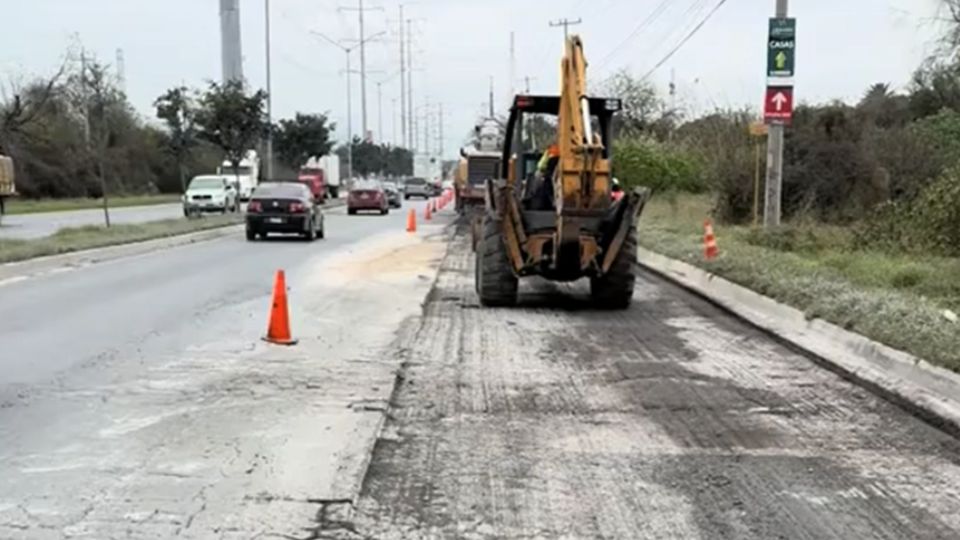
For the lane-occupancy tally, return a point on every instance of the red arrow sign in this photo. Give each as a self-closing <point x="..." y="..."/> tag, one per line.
<point x="778" y="105"/>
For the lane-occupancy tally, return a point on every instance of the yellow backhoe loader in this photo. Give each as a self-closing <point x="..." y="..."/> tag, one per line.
<point x="551" y="213"/>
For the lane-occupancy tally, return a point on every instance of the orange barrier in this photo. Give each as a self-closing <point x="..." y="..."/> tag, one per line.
<point x="427" y="213"/>
<point x="710" y="249"/>
<point x="278" y="331"/>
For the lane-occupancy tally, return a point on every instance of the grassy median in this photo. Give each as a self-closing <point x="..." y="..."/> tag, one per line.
<point x="17" y="205"/>
<point x="94" y="236"/>
<point x="899" y="300"/>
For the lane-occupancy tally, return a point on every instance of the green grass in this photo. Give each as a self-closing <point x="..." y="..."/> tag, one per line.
<point x="94" y="236"/>
<point x="898" y="300"/>
<point x="34" y="206"/>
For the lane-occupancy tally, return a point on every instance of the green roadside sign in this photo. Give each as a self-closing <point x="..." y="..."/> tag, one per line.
<point x="782" y="48"/>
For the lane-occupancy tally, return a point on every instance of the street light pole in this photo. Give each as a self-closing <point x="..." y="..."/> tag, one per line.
<point x="349" y="119"/>
<point x="269" y="170"/>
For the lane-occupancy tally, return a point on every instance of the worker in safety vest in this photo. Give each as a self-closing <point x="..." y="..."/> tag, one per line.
<point x="548" y="161"/>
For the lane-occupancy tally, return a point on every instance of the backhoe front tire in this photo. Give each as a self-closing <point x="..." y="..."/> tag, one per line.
<point x="496" y="283"/>
<point x="614" y="290"/>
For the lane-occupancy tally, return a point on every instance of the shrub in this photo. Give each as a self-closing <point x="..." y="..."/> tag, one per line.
<point x="643" y="161"/>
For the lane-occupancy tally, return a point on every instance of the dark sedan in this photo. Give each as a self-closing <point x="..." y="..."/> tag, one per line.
<point x="283" y="207"/>
<point x="367" y="195"/>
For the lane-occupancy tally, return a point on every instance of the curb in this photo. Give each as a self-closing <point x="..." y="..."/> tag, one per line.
<point x="929" y="391"/>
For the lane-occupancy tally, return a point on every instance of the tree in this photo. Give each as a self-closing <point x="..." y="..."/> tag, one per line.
<point x="305" y="136"/>
<point x="643" y="110"/>
<point x="93" y="92"/>
<point x="231" y="119"/>
<point x="176" y="108"/>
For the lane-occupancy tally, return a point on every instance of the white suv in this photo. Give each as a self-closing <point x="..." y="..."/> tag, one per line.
<point x="211" y="193"/>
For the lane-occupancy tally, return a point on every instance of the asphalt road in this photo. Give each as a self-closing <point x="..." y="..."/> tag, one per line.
<point x="670" y="420"/>
<point x="27" y="226"/>
<point x="137" y="400"/>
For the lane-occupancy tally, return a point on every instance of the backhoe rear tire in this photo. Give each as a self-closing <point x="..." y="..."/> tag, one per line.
<point x="496" y="283"/>
<point x="614" y="290"/>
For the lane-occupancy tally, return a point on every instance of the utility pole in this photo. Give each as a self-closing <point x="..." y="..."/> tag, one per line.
<point x="269" y="171"/>
<point x="774" y="185"/>
<point x="121" y="72"/>
<point x="363" y="63"/>
<point x="513" y="65"/>
<point x="566" y="24"/>
<point x="491" y="97"/>
<point x="403" y="85"/>
<point x="349" y="72"/>
<point x="380" y="112"/>
<point x="410" y="115"/>
<point x="440" y="128"/>
<point x="393" y="121"/>
<point x="526" y="83"/>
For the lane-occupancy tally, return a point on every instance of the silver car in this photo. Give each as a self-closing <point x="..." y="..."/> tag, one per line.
<point x="417" y="187"/>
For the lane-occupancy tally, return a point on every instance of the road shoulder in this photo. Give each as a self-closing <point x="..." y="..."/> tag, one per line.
<point x="927" y="390"/>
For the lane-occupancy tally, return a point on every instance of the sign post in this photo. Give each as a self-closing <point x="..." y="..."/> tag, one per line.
<point x="778" y="104"/>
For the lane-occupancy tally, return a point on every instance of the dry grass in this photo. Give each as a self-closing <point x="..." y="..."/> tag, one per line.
<point x="897" y="300"/>
<point x="94" y="236"/>
<point x="36" y="206"/>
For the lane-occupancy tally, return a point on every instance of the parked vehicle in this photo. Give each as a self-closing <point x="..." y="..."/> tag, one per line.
<point x="367" y="195"/>
<point x="8" y="187"/>
<point x="315" y="180"/>
<point x="247" y="173"/>
<point x="393" y="194"/>
<point x="417" y="187"/>
<point x="284" y="207"/>
<point x="211" y="193"/>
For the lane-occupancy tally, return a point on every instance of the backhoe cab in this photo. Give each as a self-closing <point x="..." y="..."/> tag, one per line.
<point x="554" y="216"/>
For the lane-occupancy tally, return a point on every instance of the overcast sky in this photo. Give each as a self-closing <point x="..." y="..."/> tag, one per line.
<point x="843" y="46"/>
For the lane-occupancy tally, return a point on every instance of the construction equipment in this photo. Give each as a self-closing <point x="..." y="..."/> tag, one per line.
<point x="559" y="221"/>
<point x="8" y="187"/>
<point x="477" y="165"/>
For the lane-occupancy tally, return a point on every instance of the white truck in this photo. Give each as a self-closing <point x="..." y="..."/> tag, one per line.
<point x="247" y="173"/>
<point x="331" y="171"/>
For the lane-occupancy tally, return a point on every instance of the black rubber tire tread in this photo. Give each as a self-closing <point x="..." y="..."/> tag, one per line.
<point x="311" y="233"/>
<point x="496" y="283"/>
<point x="614" y="290"/>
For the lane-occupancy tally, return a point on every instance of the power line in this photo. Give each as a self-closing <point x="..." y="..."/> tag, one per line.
<point x="686" y="39"/>
<point x="654" y="15"/>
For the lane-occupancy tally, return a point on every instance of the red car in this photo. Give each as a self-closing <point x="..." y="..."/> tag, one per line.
<point x="367" y="195"/>
<point x="314" y="179"/>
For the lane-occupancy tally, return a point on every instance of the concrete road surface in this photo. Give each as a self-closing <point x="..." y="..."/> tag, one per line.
<point x="26" y="226"/>
<point x="670" y="420"/>
<point x="138" y="401"/>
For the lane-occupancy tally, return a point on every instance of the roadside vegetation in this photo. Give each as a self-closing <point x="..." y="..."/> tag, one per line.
<point x="902" y="300"/>
<point x="73" y="239"/>
<point x="74" y="134"/>
<point x="871" y="202"/>
<point x="36" y="206"/>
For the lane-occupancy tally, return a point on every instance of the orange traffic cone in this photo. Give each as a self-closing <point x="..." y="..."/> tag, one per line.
<point x="427" y="213"/>
<point x="710" y="249"/>
<point x="412" y="221"/>
<point x="278" y="331"/>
